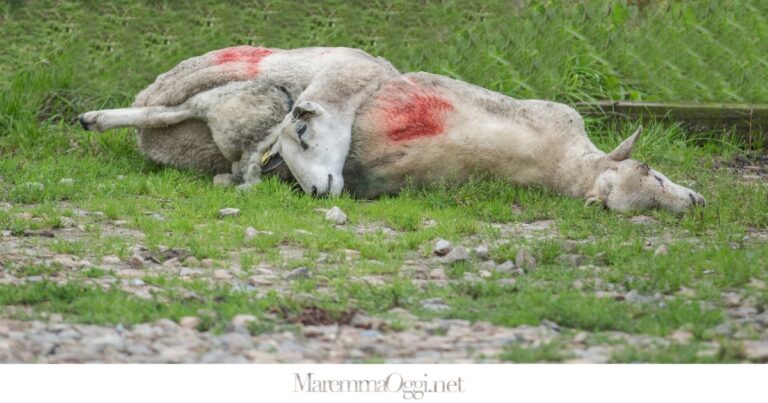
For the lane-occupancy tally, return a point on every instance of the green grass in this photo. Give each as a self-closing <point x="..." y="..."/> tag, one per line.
<point x="62" y="58"/>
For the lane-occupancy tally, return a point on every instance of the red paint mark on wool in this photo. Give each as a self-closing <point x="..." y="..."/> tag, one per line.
<point x="411" y="111"/>
<point x="249" y="56"/>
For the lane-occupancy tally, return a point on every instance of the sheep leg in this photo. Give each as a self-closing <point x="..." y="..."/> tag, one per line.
<point x="141" y="117"/>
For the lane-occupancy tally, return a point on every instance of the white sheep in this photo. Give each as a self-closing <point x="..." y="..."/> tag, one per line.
<point x="415" y="128"/>
<point x="211" y="112"/>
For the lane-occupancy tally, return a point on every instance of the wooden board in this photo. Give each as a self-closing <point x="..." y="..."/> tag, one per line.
<point x="749" y="121"/>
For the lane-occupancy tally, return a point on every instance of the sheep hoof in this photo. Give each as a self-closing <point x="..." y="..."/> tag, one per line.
<point x="83" y="122"/>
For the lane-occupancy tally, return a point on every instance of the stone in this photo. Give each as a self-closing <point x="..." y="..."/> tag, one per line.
<point x="5" y="206"/>
<point x="240" y="323"/>
<point x="251" y="233"/>
<point x="437" y="274"/>
<point x="505" y="268"/>
<point x="130" y="273"/>
<point x="336" y="216"/>
<point x="570" y="259"/>
<point x="67" y="181"/>
<point x="731" y="299"/>
<point x="259" y="281"/>
<point x="507" y="282"/>
<point x="187" y="272"/>
<point x="229" y="212"/>
<point x="442" y="247"/>
<point x="482" y="252"/>
<point x="110" y="259"/>
<point x="681" y="336"/>
<point x="301" y="272"/>
<point x="191" y="262"/>
<point x="485" y="273"/>
<point x="207" y="263"/>
<point x="136" y="261"/>
<point x="172" y="262"/>
<point x="222" y="274"/>
<point x="457" y="254"/>
<point x="756" y="350"/>
<point x="435" y="305"/>
<point x="662" y="250"/>
<point x="137" y="282"/>
<point x="190" y="322"/>
<point x="524" y="260"/>
<point x="66" y="261"/>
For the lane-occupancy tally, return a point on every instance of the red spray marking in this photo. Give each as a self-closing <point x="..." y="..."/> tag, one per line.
<point x="411" y="111"/>
<point x="249" y="56"/>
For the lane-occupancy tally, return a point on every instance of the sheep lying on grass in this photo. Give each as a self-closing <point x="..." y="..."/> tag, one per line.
<point x="391" y="128"/>
<point x="211" y="112"/>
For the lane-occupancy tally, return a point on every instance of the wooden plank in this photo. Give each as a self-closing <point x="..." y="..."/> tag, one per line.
<point x="749" y="121"/>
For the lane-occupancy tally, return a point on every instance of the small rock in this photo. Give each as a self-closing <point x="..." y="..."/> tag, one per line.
<point x="681" y="336"/>
<point x="336" y="216"/>
<point x="67" y="181"/>
<point x="482" y="252"/>
<point x="251" y="233"/>
<point x="442" y="247"/>
<point x="756" y="350"/>
<point x="489" y="265"/>
<point x="157" y="216"/>
<point x="457" y="254"/>
<point x="172" y="262"/>
<point x="222" y="274"/>
<point x="437" y="274"/>
<point x="435" y="305"/>
<point x="187" y="272"/>
<point x="65" y="261"/>
<point x="524" y="260"/>
<point x="137" y="282"/>
<point x="191" y="262"/>
<point x="662" y="250"/>
<point x="136" y="261"/>
<point x="239" y="323"/>
<point x="229" y="212"/>
<point x="190" y="322"/>
<point x="571" y="259"/>
<point x="509" y="282"/>
<point x="223" y="180"/>
<point x="301" y="272"/>
<point x="130" y="273"/>
<point x="731" y="299"/>
<point x="5" y="206"/>
<point x="484" y="273"/>
<point x="258" y="281"/>
<point x="207" y="263"/>
<point x="506" y="267"/>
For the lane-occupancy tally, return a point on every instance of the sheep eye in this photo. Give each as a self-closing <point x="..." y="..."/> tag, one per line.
<point x="301" y="129"/>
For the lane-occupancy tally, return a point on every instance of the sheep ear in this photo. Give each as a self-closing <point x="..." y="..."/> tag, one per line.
<point x="624" y="150"/>
<point x="273" y="163"/>
<point x="271" y="159"/>
<point x="305" y="110"/>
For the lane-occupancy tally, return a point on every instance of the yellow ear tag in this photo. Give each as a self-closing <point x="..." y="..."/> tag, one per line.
<point x="265" y="158"/>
